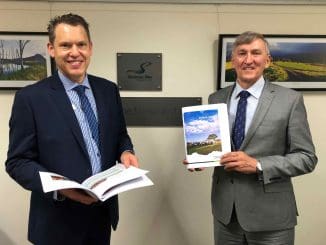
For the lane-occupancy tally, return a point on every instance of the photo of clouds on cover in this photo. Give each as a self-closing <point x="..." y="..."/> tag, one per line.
<point x="200" y="124"/>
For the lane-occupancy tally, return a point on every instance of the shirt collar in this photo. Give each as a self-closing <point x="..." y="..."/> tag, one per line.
<point x="69" y="85"/>
<point x="255" y="90"/>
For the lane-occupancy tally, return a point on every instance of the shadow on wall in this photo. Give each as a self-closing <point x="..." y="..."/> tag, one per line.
<point x="4" y="239"/>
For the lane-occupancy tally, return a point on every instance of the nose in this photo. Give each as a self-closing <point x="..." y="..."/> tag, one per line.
<point x="249" y="58"/>
<point x="74" y="51"/>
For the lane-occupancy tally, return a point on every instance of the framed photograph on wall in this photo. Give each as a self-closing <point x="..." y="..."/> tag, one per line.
<point x="23" y="58"/>
<point x="298" y="61"/>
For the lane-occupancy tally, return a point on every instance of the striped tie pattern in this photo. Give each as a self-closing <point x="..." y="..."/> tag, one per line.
<point x="240" y="120"/>
<point x="88" y="112"/>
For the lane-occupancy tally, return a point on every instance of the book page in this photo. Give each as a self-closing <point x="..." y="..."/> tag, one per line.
<point x="139" y="182"/>
<point x="96" y="179"/>
<point x="107" y="183"/>
<point x="102" y="185"/>
<point x="206" y="134"/>
<point x="53" y="182"/>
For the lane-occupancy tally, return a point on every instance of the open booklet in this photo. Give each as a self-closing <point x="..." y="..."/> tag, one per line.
<point x="206" y="134"/>
<point x="101" y="186"/>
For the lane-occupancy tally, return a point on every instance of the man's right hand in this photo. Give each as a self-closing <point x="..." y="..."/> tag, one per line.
<point x="78" y="196"/>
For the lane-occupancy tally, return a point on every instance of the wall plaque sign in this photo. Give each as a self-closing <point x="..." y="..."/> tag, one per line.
<point x="150" y="111"/>
<point x="139" y="71"/>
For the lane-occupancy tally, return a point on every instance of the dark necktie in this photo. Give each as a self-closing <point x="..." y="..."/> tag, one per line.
<point x="238" y="132"/>
<point x="88" y="112"/>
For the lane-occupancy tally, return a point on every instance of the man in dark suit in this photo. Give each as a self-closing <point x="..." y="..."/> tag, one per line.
<point x="252" y="195"/>
<point x="51" y="131"/>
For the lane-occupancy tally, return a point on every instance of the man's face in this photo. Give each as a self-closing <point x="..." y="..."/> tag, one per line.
<point x="71" y="50"/>
<point x="250" y="61"/>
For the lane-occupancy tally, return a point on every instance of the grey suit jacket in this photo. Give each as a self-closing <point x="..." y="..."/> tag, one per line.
<point x="279" y="137"/>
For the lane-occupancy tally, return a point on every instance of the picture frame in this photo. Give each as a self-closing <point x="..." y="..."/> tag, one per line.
<point x="298" y="61"/>
<point x="23" y="59"/>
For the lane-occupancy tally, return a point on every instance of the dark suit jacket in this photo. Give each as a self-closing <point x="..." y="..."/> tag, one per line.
<point x="45" y="136"/>
<point x="279" y="137"/>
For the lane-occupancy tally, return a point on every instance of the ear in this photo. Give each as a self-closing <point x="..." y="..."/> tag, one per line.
<point x="91" y="47"/>
<point x="50" y="49"/>
<point x="268" y="61"/>
<point x="232" y="60"/>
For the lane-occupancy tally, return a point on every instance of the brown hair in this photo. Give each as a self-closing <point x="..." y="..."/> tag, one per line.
<point x="70" y="19"/>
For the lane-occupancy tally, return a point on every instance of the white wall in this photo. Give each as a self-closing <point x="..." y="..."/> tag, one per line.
<point x="176" y="211"/>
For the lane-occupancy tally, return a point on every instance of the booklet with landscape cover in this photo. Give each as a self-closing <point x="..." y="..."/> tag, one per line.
<point x="101" y="186"/>
<point x="206" y="134"/>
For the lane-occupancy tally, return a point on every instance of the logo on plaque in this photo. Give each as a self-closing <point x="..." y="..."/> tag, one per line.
<point x="139" y="71"/>
<point x="142" y="73"/>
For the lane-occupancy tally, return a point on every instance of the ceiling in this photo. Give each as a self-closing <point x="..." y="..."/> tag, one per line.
<point x="291" y="2"/>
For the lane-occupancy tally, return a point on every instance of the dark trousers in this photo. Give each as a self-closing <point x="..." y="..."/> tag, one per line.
<point x="91" y="238"/>
<point x="91" y="227"/>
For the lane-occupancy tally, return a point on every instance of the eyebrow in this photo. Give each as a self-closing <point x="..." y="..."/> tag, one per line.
<point x="251" y="50"/>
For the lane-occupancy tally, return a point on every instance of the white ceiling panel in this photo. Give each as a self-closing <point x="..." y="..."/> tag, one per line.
<point x="293" y="2"/>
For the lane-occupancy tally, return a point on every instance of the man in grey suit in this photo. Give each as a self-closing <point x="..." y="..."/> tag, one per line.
<point x="252" y="195"/>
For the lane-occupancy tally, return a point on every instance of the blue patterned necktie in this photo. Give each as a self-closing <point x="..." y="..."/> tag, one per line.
<point x="88" y="112"/>
<point x="240" y="120"/>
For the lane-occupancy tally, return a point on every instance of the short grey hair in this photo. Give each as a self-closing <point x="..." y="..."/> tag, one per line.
<point x="247" y="38"/>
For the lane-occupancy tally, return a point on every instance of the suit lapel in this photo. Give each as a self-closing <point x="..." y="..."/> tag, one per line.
<point x="225" y="97"/>
<point x="227" y="101"/>
<point x="264" y="103"/>
<point x="62" y="101"/>
<point x="103" y="111"/>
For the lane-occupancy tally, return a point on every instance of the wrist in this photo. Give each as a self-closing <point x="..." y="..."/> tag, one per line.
<point x="131" y="151"/>
<point x="58" y="196"/>
<point x="259" y="171"/>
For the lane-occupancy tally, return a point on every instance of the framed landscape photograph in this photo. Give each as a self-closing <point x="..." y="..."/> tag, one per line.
<point x="298" y="61"/>
<point x="23" y="58"/>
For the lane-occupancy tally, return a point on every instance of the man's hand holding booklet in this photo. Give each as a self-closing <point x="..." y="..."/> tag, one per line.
<point x="101" y="186"/>
<point x="206" y="134"/>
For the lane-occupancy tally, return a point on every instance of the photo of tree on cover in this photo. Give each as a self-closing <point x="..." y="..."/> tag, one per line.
<point x="291" y="62"/>
<point x="202" y="129"/>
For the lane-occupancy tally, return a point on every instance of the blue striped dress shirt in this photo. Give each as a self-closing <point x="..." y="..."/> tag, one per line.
<point x="91" y="146"/>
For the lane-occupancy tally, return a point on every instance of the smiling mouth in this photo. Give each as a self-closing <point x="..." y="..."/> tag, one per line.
<point x="75" y="63"/>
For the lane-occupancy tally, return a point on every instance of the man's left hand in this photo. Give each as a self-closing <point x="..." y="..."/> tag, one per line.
<point x="129" y="159"/>
<point x="240" y="162"/>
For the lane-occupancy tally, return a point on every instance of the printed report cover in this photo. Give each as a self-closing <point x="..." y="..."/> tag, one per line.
<point x="206" y="134"/>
